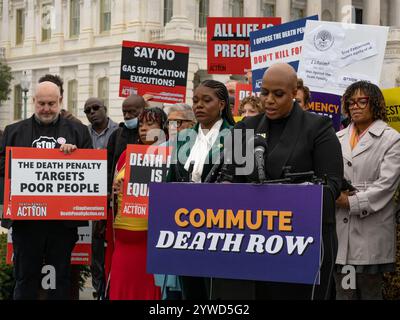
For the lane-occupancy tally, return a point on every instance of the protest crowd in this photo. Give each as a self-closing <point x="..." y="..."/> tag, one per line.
<point x="274" y="123"/>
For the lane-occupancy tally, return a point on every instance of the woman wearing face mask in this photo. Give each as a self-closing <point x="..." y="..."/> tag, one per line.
<point x="128" y="277"/>
<point x="365" y="215"/>
<point x="214" y="117"/>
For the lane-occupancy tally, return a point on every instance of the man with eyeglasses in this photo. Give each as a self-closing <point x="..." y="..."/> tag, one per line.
<point x="100" y="128"/>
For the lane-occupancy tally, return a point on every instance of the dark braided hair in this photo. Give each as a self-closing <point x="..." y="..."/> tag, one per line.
<point x="155" y="115"/>
<point x="222" y="93"/>
<point x="376" y="100"/>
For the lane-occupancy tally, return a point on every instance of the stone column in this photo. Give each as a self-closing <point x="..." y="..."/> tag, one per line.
<point x="344" y="11"/>
<point x="30" y="26"/>
<point x="86" y="24"/>
<point x="217" y="8"/>
<point x="85" y="86"/>
<point x="118" y="16"/>
<point x="395" y="13"/>
<point x="372" y="12"/>
<point x="179" y="26"/>
<point x="252" y="8"/>
<point x="57" y="37"/>
<point x="5" y="42"/>
<point x="314" y="7"/>
<point x="283" y="10"/>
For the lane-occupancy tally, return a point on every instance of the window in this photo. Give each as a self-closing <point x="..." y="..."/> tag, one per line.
<point x="204" y="9"/>
<point x="20" y="26"/>
<point x="268" y="9"/>
<point x="168" y="11"/>
<point x="47" y="10"/>
<point x="105" y="15"/>
<point x="296" y="13"/>
<point x="103" y="90"/>
<point x="17" y="102"/>
<point x="359" y="16"/>
<point x="74" y="18"/>
<point x="237" y="8"/>
<point x="73" y="97"/>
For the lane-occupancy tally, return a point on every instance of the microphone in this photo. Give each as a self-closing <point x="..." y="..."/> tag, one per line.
<point x="260" y="147"/>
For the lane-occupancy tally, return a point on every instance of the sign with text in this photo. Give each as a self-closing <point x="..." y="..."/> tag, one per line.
<point x="243" y="90"/>
<point x="228" y="47"/>
<point x="144" y="164"/>
<point x="328" y="105"/>
<point x="236" y="231"/>
<point x="335" y="55"/>
<point x="280" y="44"/>
<point x="154" y="69"/>
<point x="46" y="184"/>
<point x="81" y="254"/>
<point x="392" y="99"/>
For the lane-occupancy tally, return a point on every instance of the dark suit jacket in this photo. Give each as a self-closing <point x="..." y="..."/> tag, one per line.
<point x="20" y="134"/>
<point x="185" y="142"/>
<point x="308" y="143"/>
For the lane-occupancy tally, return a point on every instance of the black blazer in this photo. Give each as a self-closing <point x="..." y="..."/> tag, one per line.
<point x="308" y="143"/>
<point x="20" y="134"/>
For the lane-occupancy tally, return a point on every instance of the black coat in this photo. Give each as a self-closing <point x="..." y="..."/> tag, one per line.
<point x="308" y="143"/>
<point x="117" y="143"/>
<point x="20" y="134"/>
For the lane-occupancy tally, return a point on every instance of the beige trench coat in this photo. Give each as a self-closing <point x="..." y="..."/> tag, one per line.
<point x="367" y="232"/>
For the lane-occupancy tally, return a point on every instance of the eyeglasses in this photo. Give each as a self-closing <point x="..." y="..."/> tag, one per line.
<point x="361" y="102"/>
<point x="177" y="123"/>
<point x="89" y="109"/>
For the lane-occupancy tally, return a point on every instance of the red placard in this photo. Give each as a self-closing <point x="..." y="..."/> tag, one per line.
<point x="228" y="42"/>
<point x="46" y="184"/>
<point x="144" y="164"/>
<point x="243" y="90"/>
<point x="154" y="69"/>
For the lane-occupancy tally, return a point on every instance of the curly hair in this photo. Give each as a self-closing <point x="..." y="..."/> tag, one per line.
<point x="222" y="93"/>
<point x="155" y="115"/>
<point x="56" y="79"/>
<point x="254" y="101"/>
<point x="376" y="100"/>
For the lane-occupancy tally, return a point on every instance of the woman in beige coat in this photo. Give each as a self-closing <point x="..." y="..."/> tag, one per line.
<point x="365" y="217"/>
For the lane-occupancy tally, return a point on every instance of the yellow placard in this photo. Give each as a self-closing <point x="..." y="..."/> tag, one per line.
<point x="392" y="98"/>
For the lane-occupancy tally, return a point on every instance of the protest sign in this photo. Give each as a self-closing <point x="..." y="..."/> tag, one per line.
<point x="328" y="105"/>
<point x="242" y="91"/>
<point x="81" y="254"/>
<point x="46" y="184"/>
<point x="144" y="164"/>
<point x="154" y="69"/>
<point x="236" y="231"/>
<point x="279" y="44"/>
<point x="335" y="55"/>
<point x="392" y="98"/>
<point x="228" y="49"/>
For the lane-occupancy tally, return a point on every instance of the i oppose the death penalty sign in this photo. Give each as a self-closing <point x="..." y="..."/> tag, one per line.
<point x="43" y="184"/>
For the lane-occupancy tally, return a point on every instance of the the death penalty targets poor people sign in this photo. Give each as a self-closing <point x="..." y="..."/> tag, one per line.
<point x="46" y="184"/>
<point x="154" y="69"/>
<point x="144" y="164"/>
<point x="228" y="42"/>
